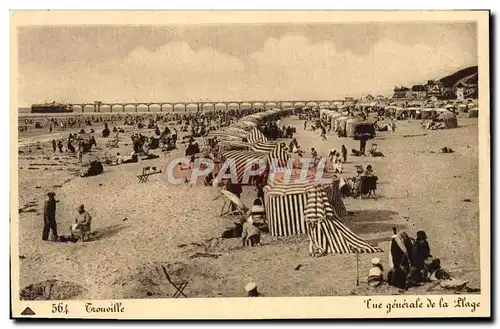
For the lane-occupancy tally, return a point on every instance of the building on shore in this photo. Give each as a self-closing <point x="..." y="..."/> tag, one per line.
<point x="418" y="92"/>
<point x="401" y="92"/>
<point x="368" y="98"/>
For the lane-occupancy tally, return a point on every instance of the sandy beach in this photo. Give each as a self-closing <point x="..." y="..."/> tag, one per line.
<point x="138" y="225"/>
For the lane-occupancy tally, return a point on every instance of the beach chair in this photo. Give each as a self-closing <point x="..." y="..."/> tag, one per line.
<point x="146" y="172"/>
<point x="179" y="286"/>
<point x="113" y="143"/>
<point x="232" y="207"/>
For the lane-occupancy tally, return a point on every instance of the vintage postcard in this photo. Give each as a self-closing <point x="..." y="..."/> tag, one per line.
<point x="175" y="164"/>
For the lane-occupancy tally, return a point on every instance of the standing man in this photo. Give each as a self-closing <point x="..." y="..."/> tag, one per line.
<point x="49" y="218"/>
<point x="362" y="144"/>
<point x="323" y="133"/>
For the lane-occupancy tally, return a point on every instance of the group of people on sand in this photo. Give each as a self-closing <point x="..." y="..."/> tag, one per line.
<point x="410" y="263"/>
<point x="364" y="183"/>
<point x="70" y="146"/>
<point x="79" y="230"/>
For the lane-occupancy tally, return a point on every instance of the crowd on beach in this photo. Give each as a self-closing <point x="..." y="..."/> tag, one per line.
<point x="411" y="263"/>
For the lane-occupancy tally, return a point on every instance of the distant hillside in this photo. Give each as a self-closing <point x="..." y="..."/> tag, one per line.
<point x="466" y="76"/>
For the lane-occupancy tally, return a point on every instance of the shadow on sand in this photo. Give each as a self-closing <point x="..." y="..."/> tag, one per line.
<point x="373" y="221"/>
<point x="106" y="232"/>
<point x="361" y="216"/>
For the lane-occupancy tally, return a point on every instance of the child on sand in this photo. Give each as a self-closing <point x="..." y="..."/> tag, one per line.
<point x="375" y="276"/>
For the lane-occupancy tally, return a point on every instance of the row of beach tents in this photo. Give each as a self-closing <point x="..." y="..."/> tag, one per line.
<point x="295" y="205"/>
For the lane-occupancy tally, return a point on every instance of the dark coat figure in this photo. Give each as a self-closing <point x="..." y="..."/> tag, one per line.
<point x="234" y="188"/>
<point x="70" y="147"/>
<point x="60" y="146"/>
<point x="362" y="144"/>
<point x="54" y="145"/>
<point x="105" y="131"/>
<point x="344" y="153"/>
<point x="420" y="251"/>
<point x="49" y="218"/>
<point x="95" y="169"/>
<point x="401" y="246"/>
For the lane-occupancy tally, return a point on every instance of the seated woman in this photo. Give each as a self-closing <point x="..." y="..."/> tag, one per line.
<point x="400" y="259"/>
<point x="132" y="158"/>
<point x="81" y="227"/>
<point x="375" y="275"/>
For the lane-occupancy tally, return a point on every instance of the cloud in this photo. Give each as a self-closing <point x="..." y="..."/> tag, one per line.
<point x="287" y="68"/>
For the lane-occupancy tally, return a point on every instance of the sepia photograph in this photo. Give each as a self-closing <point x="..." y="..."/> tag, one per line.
<point x="206" y="157"/>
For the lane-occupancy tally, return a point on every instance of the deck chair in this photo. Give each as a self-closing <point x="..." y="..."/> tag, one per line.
<point x="143" y="178"/>
<point x="232" y="206"/>
<point x="179" y="286"/>
<point x="113" y="143"/>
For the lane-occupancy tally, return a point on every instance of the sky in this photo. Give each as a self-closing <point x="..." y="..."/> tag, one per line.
<point x="236" y="62"/>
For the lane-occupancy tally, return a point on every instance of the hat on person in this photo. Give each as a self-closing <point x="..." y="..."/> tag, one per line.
<point x="421" y="235"/>
<point x="80" y="207"/>
<point x="51" y="194"/>
<point x="375" y="261"/>
<point x="250" y="286"/>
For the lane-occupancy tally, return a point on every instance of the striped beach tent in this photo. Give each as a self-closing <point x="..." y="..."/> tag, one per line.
<point x="285" y="200"/>
<point x="223" y="135"/>
<point x="237" y="131"/>
<point x="243" y="161"/>
<point x="230" y="144"/>
<point x="274" y="150"/>
<point x="246" y="125"/>
<point x="255" y="135"/>
<point x="326" y="233"/>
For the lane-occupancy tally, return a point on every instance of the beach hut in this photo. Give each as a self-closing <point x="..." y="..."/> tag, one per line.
<point x="332" y="115"/>
<point x="427" y="113"/>
<point x="350" y="126"/>
<point x="285" y="201"/>
<point x="323" y="113"/>
<point x="325" y="231"/>
<point x="340" y="122"/>
<point x="462" y="108"/>
<point x="390" y="111"/>
<point x="449" y="119"/>
<point x="402" y="113"/>
<point x="414" y="112"/>
<point x="364" y="128"/>
<point x="473" y="113"/>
